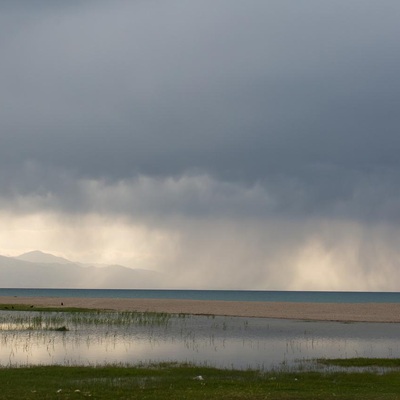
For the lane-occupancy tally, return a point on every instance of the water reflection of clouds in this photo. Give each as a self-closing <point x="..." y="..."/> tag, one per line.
<point x="222" y="342"/>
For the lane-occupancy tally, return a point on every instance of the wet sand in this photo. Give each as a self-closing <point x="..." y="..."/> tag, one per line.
<point x="345" y="312"/>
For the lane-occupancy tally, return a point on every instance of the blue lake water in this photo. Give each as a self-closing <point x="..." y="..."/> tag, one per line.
<point x="227" y="295"/>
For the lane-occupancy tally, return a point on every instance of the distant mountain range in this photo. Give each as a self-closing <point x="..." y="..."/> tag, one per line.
<point x="44" y="258"/>
<point x="41" y="270"/>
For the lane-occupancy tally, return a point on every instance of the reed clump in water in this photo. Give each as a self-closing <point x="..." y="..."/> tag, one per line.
<point x="50" y="320"/>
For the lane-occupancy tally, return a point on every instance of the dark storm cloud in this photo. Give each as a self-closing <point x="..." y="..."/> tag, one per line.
<point x="297" y="102"/>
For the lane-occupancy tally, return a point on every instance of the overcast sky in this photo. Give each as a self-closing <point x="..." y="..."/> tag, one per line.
<point x="229" y="144"/>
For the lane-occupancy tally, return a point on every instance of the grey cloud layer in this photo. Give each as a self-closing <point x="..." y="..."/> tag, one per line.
<point x="373" y="199"/>
<point x="294" y="103"/>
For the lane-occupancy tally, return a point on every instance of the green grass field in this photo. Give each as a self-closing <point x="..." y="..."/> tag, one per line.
<point x="169" y="381"/>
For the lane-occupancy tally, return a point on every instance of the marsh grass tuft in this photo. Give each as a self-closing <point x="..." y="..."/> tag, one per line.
<point x="61" y="329"/>
<point x="361" y="362"/>
<point x="27" y="307"/>
<point x="49" y="319"/>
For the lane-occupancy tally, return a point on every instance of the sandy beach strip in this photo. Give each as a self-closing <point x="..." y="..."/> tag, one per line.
<point x="345" y="312"/>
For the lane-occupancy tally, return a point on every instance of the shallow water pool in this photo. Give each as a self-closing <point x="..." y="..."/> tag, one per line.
<point x="29" y="338"/>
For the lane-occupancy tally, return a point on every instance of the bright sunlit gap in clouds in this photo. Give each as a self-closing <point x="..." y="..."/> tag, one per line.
<point x="86" y="239"/>
<point x="218" y="254"/>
